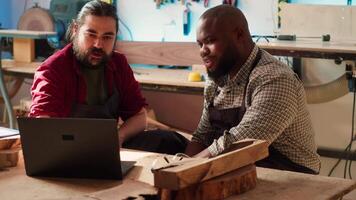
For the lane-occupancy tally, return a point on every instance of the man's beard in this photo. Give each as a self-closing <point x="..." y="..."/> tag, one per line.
<point x="83" y="56"/>
<point x="225" y="64"/>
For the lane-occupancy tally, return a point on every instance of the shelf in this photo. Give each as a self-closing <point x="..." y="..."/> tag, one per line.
<point x="26" y="34"/>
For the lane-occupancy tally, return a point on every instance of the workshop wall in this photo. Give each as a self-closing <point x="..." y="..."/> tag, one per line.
<point x="147" y="23"/>
<point x="4" y="14"/>
<point x="324" y="2"/>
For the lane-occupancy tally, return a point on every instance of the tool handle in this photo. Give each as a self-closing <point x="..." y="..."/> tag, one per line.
<point x="287" y="37"/>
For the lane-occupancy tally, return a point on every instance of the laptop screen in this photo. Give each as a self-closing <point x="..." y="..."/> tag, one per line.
<point x="71" y="147"/>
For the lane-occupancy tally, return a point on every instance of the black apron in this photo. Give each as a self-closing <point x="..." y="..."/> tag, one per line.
<point x="108" y="110"/>
<point x="169" y="142"/>
<point x="222" y="120"/>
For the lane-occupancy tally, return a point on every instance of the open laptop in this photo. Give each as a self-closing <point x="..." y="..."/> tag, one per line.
<point x="72" y="148"/>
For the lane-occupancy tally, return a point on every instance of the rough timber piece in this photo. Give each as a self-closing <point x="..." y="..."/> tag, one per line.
<point x="24" y="49"/>
<point x="181" y="176"/>
<point x="221" y="187"/>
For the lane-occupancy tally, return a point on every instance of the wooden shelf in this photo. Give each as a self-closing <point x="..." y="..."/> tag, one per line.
<point x="24" y="44"/>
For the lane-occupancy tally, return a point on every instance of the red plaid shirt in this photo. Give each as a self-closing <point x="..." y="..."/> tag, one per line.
<point x="58" y="84"/>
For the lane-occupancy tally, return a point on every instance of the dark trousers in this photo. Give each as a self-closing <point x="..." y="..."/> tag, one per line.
<point x="276" y="160"/>
<point x="159" y="141"/>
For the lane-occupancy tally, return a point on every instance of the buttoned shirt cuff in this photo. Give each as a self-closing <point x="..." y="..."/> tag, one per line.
<point x="214" y="149"/>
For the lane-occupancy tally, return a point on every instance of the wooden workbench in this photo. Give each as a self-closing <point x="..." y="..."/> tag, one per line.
<point x="187" y="53"/>
<point x="272" y="184"/>
<point x="307" y="48"/>
<point x="167" y="80"/>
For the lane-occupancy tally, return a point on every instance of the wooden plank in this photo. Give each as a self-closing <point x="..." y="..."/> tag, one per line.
<point x="9" y="157"/>
<point x="160" y="53"/>
<point x="24" y="49"/>
<point x="144" y="76"/>
<point x="311" y="46"/>
<point x="19" y="69"/>
<point x="181" y="176"/>
<point x="6" y="143"/>
<point x="187" y="53"/>
<point x="170" y="77"/>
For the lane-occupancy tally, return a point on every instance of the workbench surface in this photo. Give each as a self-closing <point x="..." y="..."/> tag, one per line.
<point x="271" y="184"/>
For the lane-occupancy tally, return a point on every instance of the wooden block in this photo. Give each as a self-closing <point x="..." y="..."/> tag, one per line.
<point x="7" y="143"/>
<point x="24" y="49"/>
<point x="189" y="173"/>
<point x="233" y="183"/>
<point x="9" y="151"/>
<point x="9" y="158"/>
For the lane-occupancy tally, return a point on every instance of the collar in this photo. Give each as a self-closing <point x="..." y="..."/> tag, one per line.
<point x="244" y="71"/>
<point x="109" y="71"/>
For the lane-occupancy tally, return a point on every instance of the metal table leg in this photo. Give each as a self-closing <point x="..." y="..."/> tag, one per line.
<point x="4" y="93"/>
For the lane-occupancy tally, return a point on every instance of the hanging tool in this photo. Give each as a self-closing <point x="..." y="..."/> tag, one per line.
<point x="230" y="2"/>
<point x="158" y="3"/>
<point x="206" y="3"/>
<point x="324" y="38"/>
<point x="186" y="19"/>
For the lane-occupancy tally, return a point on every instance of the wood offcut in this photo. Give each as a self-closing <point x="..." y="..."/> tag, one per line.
<point x="196" y="171"/>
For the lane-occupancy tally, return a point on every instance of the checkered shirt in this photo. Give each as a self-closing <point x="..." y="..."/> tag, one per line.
<point x="276" y="110"/>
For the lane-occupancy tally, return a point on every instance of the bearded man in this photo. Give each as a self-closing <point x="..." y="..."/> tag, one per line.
<point x="88" y="79"/>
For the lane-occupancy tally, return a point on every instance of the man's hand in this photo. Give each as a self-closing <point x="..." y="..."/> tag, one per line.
<point x="132" y="126"/>
<point x="203" y="154"/>
<point x="194" y="148"/>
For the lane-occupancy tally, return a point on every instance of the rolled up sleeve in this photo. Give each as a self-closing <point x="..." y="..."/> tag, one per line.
<point x="273" y="108"/>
